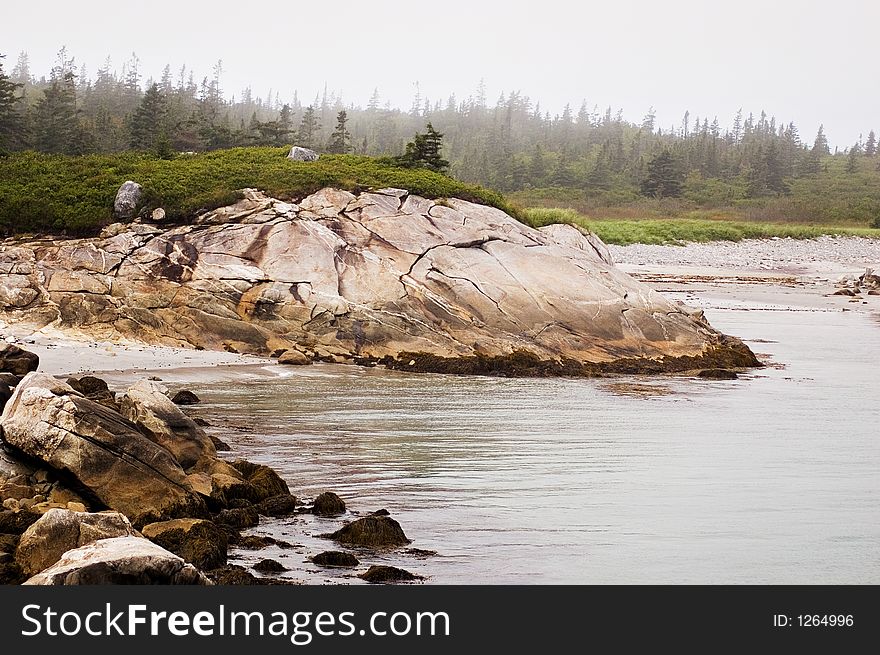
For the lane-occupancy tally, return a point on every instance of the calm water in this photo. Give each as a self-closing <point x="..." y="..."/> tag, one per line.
<point x="773" y="478"/>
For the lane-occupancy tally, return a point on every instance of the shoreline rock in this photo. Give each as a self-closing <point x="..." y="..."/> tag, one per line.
<point x="368" y="278"/>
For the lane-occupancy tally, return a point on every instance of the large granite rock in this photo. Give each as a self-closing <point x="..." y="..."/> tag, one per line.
<point x="298" y="153"/>
<point x="128" y="472"/>
<point x="384" y="276"/>
<point x="145" y="405"/>
<point x="61" y="530"/>
<point x="120" y="560"/>
<point x="127" y="198"/>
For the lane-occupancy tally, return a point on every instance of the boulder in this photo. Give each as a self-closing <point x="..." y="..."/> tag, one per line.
<point x="158" y="215"/>
<point x="717" y="374"/>
<point x="17" y="361"/>
<point x="298" y="153"/>
<point x="9" y="379"/>
<point x="232" y="574"/>
<point x="372" y="532"/>
<point x="266" y="482"/>
<point x="293" y="358"/>
<point x="382" y="574"/>
<point x="16" y="521"/>
<point x="120" y="560"/>
<point x="280" y="505"/>
<point x="335" y="558"/>
<point x="162" y="421"/>
<point x="199" y="542"/>
<point x="60" y="530"/>
<point x="328" y="504"/>
<point x="238" y="518"/>
<point x="127" y="198"/>
<point x="105" y="452"/>
<point x="185" y="397"/>
<point x="270" y="566"/>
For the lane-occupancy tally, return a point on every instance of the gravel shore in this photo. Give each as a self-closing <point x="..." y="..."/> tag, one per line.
<point x="826" y="254"/>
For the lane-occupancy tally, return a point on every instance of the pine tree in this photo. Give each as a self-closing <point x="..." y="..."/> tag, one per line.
<point x="55" y="117"/>
<point x="11" y="123"/>
<point x="147" y="123"/>
<point x="820" y="145"/>
<point x="871" y="144"/>
<point x="340" y="140"/>
<point x="307" y="135"/>
<point x="852" y="159"/>
<point x="663" y="178"/>
<point x="424" y="152"/>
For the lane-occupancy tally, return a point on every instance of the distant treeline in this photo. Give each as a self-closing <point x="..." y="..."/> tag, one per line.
<point x="511" y="145"/>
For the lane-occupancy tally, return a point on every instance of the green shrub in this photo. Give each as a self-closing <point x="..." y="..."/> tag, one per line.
<point x="74" y="195"/>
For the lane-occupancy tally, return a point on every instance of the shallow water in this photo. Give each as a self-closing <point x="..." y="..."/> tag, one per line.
<point x="772" y="478"/>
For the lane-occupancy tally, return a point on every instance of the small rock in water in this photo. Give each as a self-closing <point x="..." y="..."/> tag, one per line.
<point x="328" y="504"/>
<point x="269" y="566"/>
<point x="372" y="531"/>
<point x="382" y="573"/>
<point x="717" y="374"/>
<point x="335" y="558"/>
<point x="185" y="397"/>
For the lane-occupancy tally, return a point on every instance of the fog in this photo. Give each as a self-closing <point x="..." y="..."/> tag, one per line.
<point x="802" y="61"/>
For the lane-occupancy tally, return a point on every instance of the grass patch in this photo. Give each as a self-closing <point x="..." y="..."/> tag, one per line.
<point x="73" y="196"/>
<point x="682" y="230"/>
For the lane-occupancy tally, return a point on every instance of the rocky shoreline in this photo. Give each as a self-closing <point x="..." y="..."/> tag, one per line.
<point x="100" y="487"/>
<point x="378" y="277"/>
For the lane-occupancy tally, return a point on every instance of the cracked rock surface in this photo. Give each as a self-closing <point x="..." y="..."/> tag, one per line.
<point x="340" y="276"/>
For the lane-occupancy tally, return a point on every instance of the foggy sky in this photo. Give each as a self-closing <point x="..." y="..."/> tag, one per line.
<point x="801" y="60"/>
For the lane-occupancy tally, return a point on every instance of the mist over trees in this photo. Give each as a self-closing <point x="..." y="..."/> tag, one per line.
<point x="511" y="144"/>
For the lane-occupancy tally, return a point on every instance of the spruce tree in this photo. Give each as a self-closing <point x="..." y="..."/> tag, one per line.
<point x="820" y="145"/>
<point x="11" y="123"/>
<point x="307" y="135"/>
<point x="424" y="152"/>
<point x="871" y="144"/>
<point x="340" y="140"/>
<point x="147" y="124"/>
<point x="663" y="178"/>
<point x="55" y="117"/>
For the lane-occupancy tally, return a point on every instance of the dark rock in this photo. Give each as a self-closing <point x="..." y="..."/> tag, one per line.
<point x="280" y="505"/>
<point x="240" y="517"/>
<point x="88" y="385"/>
<point x="269" y="566"/>
<point x="219" y="445"/>
<point x="11" y="573"/>
<point x="254" y="542"/>
<point x="335" y="558"/>
<point x="381" y="512"/>
<point x="8" y="543"/>
<point x="185" y="397"/>
<point x="372" y="531"/>
<point x="203" y="424"/>
<point x="328" y="504"/>
<point x="381" y="573"/>
<point x="717" y="374"/>
<point x="239" y="503"/>
<point x="16" y="522"/>
<point x="420" y="552"/>
<point x="17" y="361"/>
<point x="9" y="379"/>
<point x="199" y="542"/>
<point x="232" y="575"/>
<point x="266" y="481"/>
<point x="846" y="292"/>
<point x="5" y="395"/>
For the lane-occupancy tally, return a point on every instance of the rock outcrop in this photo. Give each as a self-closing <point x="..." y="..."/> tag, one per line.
<point x="120" y="560"/>
<point x="51" y="422"/>
<point x="384" y="277"/>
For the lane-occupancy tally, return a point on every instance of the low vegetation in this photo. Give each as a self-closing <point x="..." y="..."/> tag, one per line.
<point x="681" y="230"/>
<point x="73" y="195"/>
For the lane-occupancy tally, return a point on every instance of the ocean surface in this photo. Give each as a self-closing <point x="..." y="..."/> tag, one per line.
<point x="772" y="478"/>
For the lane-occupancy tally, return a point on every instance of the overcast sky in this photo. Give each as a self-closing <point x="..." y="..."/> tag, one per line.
<point x="801" y="60"/>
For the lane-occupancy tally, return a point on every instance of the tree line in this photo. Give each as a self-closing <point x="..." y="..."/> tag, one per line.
<point x="509" y="145"/>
